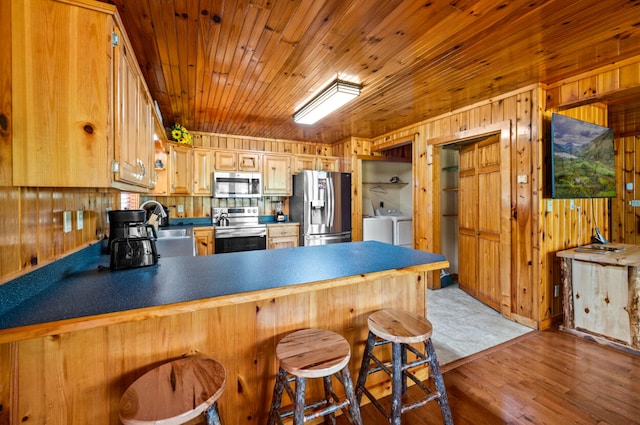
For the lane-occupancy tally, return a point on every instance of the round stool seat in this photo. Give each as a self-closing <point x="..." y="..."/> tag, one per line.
<point x="174" y="392"/>
<point x="400" y="327"/>
<point x="313" y="353"/>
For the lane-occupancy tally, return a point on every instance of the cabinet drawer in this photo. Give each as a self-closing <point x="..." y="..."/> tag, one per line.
<point x="280" y="230"/>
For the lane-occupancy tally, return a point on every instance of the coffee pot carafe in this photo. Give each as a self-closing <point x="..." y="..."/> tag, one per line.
<point x="131" y="240"/>
<point x="129" y="223"/>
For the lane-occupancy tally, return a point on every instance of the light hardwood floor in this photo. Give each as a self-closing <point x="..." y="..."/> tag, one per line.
<point x="546" y="377"/>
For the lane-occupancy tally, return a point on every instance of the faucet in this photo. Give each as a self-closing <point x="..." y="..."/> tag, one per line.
<point x="159" y="209"/>
<point x="158" y="212"/>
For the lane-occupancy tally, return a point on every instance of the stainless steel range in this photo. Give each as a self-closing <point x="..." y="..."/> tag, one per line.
<point x="238" y="229"/>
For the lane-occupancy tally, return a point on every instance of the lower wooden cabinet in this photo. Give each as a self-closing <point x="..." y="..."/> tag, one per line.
<point x="282" y="235"/>
<point x="203" y="238"/>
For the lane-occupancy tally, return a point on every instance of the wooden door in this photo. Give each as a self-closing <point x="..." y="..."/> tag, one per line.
<point x="479" y="200"/>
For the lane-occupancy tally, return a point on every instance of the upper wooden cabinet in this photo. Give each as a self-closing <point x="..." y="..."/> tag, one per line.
<point x="72" y="72"/>
<point x="202" y="169"/>
<point x="236" y="161"/>
<point x="310" y="162"/>
<point x="276" y="175"/>
<point x="133" y="159"/>
<point x="180" y="170"/>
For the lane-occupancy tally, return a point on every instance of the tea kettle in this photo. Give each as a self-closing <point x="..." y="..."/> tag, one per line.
<point x="223" y="220"/>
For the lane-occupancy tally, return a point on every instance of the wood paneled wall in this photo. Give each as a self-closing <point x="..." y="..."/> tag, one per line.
<point x="537" y="234"/>
<point x="563" y="226"/>
<point x="31" y="225"/>
<point x="625" y="217"/>
<point x="522" y="109"/>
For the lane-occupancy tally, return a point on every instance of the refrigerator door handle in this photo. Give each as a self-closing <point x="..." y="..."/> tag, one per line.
<point x="345" y="237"/>
<point x="330" y="200"/>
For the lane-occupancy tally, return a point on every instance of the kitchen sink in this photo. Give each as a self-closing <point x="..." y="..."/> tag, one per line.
<point x="172" y="233"/>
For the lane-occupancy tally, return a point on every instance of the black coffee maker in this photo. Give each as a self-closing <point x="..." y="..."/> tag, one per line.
<point x="131" y="240"/>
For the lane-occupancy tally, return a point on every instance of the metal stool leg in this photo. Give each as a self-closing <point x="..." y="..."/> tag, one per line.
<point x="443" y="400"/>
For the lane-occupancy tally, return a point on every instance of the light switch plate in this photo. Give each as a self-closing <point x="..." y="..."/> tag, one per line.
<point x="67" y="221"/>
<point x="549" y="205"/>
<point x="79" y="220"/>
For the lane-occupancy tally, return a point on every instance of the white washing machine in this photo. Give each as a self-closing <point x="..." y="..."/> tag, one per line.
<point x="377" y="229"/>
<point x="402" y="226"/>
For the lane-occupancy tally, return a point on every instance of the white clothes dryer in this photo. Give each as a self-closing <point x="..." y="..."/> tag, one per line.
<point x="402" y="226"/>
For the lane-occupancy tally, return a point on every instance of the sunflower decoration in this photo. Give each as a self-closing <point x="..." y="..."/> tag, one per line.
<point x="180" y="134"/>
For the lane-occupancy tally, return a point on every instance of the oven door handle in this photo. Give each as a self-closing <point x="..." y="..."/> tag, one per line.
<point x="240" y="233"/>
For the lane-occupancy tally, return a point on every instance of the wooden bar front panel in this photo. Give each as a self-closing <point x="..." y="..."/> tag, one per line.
<point x="79" y="377"/>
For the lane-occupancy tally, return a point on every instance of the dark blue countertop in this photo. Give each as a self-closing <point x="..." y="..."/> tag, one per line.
<point x="88" y="288"/>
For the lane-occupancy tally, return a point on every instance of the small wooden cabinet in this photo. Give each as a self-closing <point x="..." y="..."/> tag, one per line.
<point x="310" y="162"/>
<point x="282" y="235"/>
<point x="236" y="161"/>
<point x="203" y="238"/>
<point x="276" y="176"/>
<point x="601" y="293"/>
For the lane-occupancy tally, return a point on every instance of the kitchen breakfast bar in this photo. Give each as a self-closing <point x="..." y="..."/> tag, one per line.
<point x="70" y="347"/>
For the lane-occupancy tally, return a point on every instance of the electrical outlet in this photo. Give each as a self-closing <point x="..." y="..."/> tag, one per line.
<point x="180" y="208"/>
<point x="79" y="220"/>
<point x="67" y="221"/>
<point x="549" y="205"/>
<point x="572" y="204"/>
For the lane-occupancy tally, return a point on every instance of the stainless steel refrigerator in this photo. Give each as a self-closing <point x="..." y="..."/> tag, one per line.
<point x="321" y="203"/>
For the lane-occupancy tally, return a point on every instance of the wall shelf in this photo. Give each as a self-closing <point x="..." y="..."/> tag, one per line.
<point x="386" y="183"/>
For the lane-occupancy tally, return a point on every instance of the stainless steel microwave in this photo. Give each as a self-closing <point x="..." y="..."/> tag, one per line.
<point x="236" y="185"/>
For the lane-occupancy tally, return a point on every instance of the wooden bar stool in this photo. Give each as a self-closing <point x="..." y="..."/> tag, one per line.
<point x="313" y="353"/>
<point x="174" y="393"/>
<point x="401" y="328"/>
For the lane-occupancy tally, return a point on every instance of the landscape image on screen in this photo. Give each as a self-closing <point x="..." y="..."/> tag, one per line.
<point x="583" y="159"/>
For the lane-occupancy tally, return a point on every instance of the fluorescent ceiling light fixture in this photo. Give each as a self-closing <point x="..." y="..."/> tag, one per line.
<point x="331" y="98"/>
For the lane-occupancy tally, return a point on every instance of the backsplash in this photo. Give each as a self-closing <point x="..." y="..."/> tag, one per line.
<point x="32" y="225"/>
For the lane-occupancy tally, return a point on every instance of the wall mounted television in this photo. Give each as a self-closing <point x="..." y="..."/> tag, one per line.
<point x="582" y="159"/>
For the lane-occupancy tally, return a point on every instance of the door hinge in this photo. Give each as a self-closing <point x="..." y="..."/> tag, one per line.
<point x="115" y="39"/>
<point x="115" y="167"/>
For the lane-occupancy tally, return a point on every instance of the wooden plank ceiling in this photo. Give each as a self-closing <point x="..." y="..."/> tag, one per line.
<point x="243" y="66"/>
